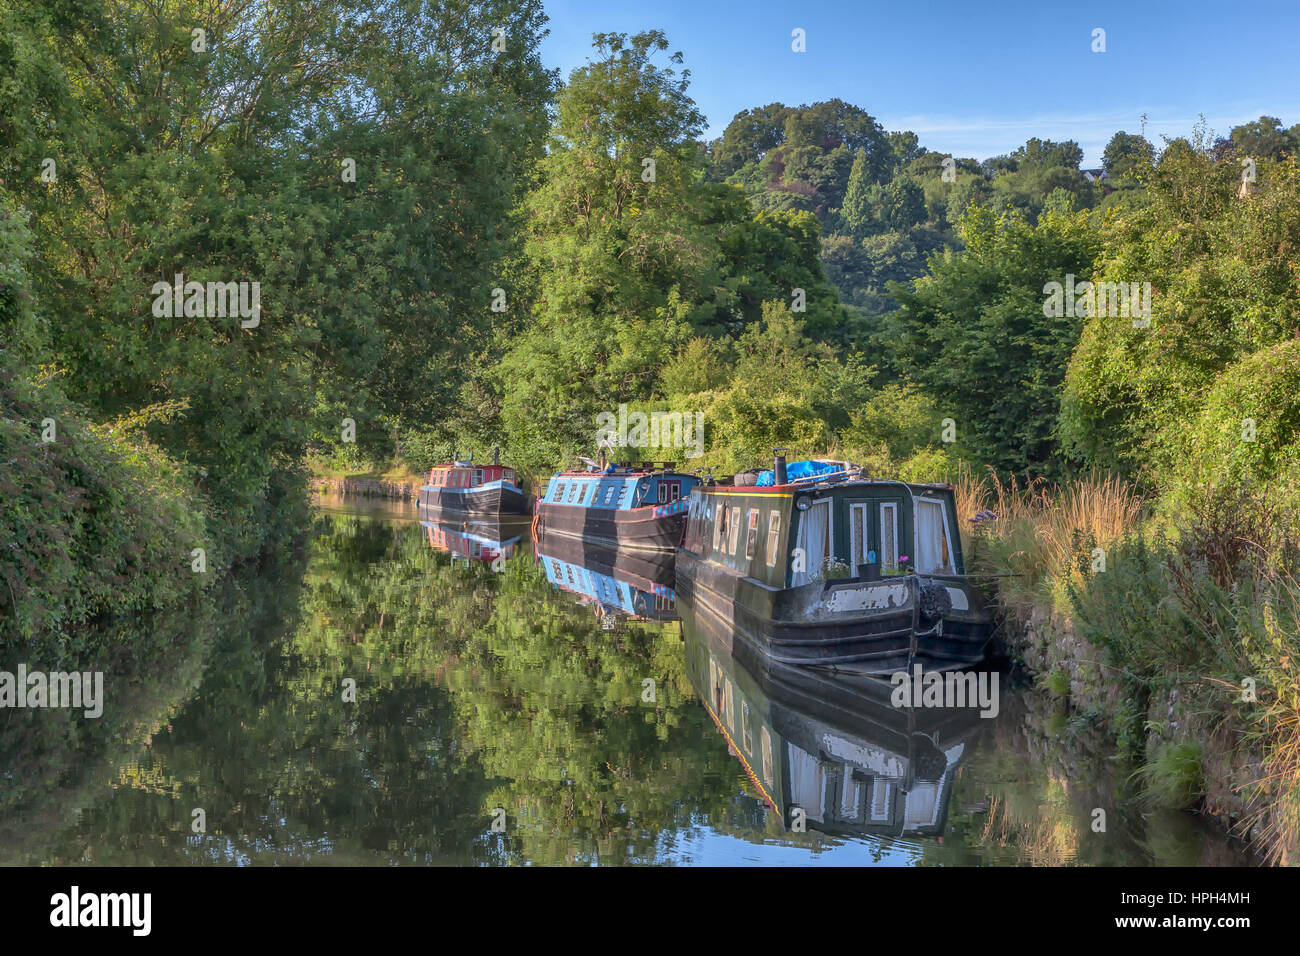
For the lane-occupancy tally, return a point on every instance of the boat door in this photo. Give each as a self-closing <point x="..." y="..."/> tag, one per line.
<point x="875" y="532"/>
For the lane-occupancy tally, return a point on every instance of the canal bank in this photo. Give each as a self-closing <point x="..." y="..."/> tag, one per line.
<point x="1170" y="636"/>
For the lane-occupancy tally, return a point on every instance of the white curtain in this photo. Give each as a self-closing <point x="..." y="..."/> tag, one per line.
<point x="815" y="540"/>
<point x="931" y="539"/>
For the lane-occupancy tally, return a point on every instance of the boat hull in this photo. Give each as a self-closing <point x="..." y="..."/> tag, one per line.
<point x="638" y="528"/>
<point x="499" y="500"/>
<point x="867" y="627"/>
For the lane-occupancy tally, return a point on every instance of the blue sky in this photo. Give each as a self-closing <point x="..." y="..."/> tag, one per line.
<point x="969" y="78"/>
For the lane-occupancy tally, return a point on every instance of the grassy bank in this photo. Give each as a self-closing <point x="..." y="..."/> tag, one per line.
<point x="1177" y="632"/>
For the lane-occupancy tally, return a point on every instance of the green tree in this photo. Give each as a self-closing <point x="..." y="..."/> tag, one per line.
<point x="1152" y="399"/>
<point x="1125" y="154"/>
<point x="975" y="336"/>
<point x="1266" y="138"/>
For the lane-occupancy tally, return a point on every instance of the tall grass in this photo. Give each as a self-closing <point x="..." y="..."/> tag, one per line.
<point x="1039" y="533"/>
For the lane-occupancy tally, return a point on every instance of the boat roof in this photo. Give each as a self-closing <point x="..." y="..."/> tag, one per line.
<point x="623" y="470"/>
<point x="821" y="482"/>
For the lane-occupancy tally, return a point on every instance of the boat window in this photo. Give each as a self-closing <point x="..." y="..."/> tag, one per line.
<point x="622" y="496"/>
<point x="932" y="553"/>
<point x="574" y="488"/>
<point x="669" y="491"/>
<point x="609" y="494"/>
<point x="720" y="529"/>
<point x="859" y="546"/>
<point x="889" y="538"/>
<point x="773" y="535"/>
<point x="559" y="491"/>
<point x="508" y="475"/>
<point x="751" y="535"/>
<point x="766" y="737"/>
<point x="733" y="529"/>
<point x="814" y="542"/>
<point x="478" y="476"/>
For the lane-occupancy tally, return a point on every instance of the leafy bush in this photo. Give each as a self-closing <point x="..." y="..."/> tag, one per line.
<point x="92" y="523"/>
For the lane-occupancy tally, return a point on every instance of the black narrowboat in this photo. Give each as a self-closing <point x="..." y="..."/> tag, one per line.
<point x="835" y="569"/>
<point x="483" y="542"/>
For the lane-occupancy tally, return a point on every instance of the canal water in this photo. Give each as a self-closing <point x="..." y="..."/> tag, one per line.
<point x="405" y="694"/>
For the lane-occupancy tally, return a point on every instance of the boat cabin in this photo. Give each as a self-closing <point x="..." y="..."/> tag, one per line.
<point x="618" y="488"/>
<point x="792" y="534"/>
<point x="464" y="474"/>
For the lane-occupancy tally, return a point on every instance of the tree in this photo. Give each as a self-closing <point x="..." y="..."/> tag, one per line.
<point x="1125" y="154"/>
<point x="230" y="164"/>
<point x="1266" y="138"/>
<point x="856" y="210"/>
<point x="1154" y="400"/>
<point x="973" y="334"/>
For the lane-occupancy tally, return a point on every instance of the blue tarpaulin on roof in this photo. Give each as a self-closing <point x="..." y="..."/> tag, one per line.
<point x="800" y="469"/>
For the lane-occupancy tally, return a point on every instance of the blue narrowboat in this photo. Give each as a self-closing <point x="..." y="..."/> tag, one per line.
<point x="643" y="508"/>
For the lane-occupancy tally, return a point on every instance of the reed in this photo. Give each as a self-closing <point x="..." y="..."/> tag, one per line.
<point x="1039" y="533"/>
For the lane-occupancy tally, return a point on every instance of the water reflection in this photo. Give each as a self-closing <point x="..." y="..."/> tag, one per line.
<point x="830" y="752"/>
<point x="613" y="582"/>
<point x="478" y="689"/>
<point x="488" y="541"/>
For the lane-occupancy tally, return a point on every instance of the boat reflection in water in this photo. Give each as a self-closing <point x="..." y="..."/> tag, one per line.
<point x="828" y="747"/>
<point x="483" y="541"/>
<point x="617" y="583"/>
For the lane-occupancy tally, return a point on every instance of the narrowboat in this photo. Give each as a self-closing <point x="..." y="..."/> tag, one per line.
<point x="482" y="542"/>
<point x="828" y="749"/>
<point x="642" y="508"/>
<point x="617" y="583"/>
<point x="819" y="565"/>
<point x="462" y="487"/>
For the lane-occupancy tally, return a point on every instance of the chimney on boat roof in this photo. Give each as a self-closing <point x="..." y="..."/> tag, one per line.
<point x="496" y="455"/>
<point x="778" y="466"/>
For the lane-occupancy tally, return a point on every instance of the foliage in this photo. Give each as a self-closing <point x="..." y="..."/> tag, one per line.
<point x="1224" y="301"/>
<point x="974" y="336"/>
